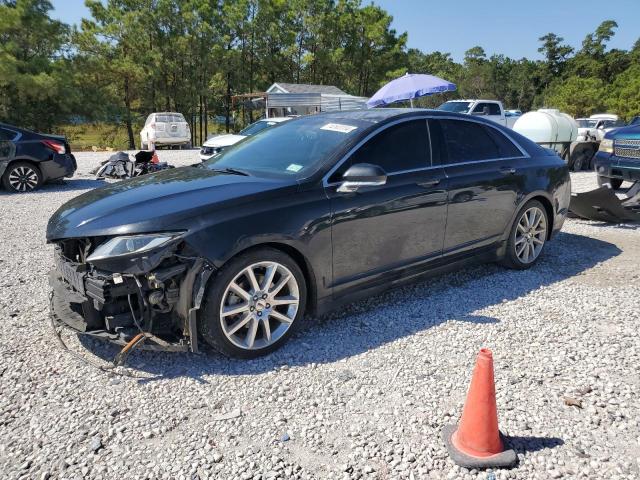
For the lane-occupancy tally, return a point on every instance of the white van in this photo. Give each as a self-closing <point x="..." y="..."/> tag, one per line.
<point x="165" y="128"/>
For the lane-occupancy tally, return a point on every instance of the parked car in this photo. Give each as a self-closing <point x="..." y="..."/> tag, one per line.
<point x="29" y="159"/>
<point x="217" y="143"/>
<point x="618" y="158"/>
<point x="297" y="220"/>
<point x="513" y="113"/>
<point x="490" y="109"/>
<point x="165" y="129"/>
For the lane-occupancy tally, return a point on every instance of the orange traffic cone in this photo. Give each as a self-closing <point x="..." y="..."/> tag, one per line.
<point x="476" y="442"/>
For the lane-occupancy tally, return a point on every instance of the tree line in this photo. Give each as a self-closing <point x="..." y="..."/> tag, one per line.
<point x="134" y="57"/>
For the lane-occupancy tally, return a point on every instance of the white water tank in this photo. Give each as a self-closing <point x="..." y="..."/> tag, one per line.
<point x="548" y="127"/>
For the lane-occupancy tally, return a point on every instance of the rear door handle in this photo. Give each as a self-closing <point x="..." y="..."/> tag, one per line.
<point x="430" y="183"/>
<point x="508" y="170"/>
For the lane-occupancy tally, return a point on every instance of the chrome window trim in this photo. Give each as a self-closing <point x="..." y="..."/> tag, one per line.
<point x="345" y="157"/>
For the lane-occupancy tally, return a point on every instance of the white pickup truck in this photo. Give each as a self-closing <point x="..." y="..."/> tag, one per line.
<point x="491" y="109"/>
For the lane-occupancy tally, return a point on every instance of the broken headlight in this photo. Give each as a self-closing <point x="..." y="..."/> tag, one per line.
<point x="131" y="245"/>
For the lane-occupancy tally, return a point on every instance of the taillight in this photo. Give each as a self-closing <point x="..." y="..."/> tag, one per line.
<point x="55" y="146"/>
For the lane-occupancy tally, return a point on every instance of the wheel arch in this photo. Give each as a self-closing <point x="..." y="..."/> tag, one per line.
<point x="548" y="206"/>
<point x="300" y="259"/>
<point x="34" y="163"/>
<point x="544" y="198"/>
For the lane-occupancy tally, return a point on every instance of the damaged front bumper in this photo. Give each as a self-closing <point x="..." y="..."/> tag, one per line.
<point x="161" y="303"/>
<point x="602" y="204"/>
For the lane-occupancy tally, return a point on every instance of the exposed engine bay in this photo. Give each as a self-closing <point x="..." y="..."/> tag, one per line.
<point x="155" y="295"/>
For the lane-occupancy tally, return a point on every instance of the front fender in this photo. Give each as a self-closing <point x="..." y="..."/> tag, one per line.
<point x="304" y="228"/>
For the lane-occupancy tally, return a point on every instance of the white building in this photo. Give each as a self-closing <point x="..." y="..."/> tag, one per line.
<point x="301" y="99"/>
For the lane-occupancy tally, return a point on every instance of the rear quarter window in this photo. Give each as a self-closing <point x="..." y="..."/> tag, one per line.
<point x="7" y="135"/>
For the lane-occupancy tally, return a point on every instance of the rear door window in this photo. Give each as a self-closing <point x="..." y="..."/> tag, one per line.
<point x="467" y="141"/>
<point x="7" y="135"/>
<point x="506" y="148"/>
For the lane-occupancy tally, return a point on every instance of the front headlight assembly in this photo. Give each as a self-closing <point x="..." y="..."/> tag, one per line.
<point x="606" y="145"/>
<point x="131" y="245"/>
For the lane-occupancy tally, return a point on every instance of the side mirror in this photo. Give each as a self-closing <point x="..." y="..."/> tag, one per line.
<point x="362" y="175"/>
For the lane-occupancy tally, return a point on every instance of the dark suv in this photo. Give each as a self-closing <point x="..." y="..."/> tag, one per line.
<point x="618" y="158"/>
<point x="28" y="159"/>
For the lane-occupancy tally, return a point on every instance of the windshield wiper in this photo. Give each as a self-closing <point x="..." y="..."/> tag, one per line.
<point x="232" y="171"/>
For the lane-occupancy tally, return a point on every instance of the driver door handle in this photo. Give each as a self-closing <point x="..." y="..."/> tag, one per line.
<point x="430" y="183"/>
<point x="508" y="170"/>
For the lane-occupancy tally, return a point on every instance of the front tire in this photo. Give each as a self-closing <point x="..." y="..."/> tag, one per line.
<point x="527" y="237"/>
<point x="254" y="304"/>
<point x="615" y="183"/>
<point x="21" y="177"/>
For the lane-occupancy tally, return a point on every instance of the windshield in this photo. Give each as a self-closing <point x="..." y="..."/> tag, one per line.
<point x="586" y="123"/>
<point x="292" y="149"/>
<point x="457" y="107"/>
<point x="256" y="127"/>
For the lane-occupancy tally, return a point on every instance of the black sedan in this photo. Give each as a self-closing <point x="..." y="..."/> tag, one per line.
<point x="28" y="159"/>
<point x="297" y="220"/>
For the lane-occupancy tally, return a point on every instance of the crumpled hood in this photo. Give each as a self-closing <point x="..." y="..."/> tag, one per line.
<point x="223" y="140"/>
<point x="162" y="201"/>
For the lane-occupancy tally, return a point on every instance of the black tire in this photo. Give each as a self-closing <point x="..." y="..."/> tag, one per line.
<point x="615" y="183"/>
<point x="511" y="259"/>
<point x="27" y="172"/>
<point x="209" y="318"/>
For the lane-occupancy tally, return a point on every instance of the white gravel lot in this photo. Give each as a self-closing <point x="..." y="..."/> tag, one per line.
<point x="360" y="394"/>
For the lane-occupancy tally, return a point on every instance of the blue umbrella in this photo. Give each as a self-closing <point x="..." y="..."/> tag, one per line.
<point x="408" y="87"/>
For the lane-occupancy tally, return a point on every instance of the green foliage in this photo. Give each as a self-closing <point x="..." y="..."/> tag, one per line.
<point x="32" y="66"/>
<point x="133" y="57"/>
<point x="577" y="96"/>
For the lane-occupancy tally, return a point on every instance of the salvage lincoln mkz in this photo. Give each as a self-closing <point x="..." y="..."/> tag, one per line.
<point x="300" y="218"/>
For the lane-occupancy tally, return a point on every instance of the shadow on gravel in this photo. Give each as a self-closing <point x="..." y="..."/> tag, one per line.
<point x="68" y="185"/>
<point x="533" y="444"/>
<point x="369" y="324"/>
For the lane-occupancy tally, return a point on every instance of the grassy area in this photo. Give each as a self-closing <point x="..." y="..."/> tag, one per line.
<point x="105" y="136"/>
<point x="100" y="135"/>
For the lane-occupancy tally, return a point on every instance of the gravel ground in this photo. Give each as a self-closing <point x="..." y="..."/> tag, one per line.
<point x="359" y="394"/>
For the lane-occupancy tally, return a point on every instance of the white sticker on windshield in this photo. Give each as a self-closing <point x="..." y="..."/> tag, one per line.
<point x="294" y="167"/>
<point x="338" y="127"/>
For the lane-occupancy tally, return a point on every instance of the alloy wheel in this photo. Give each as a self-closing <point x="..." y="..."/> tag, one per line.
<point x="530" y="234"/>
<point x="259" y="305"/>
<point x="23" y="178"/>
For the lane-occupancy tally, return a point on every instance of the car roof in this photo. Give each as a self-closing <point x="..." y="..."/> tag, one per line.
<point x="604" y="116"/>
<point x="378" y="115"/>
<point x="275" y="119"/>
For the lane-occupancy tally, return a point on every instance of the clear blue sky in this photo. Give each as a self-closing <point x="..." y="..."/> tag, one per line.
<point x="511" y="27"/>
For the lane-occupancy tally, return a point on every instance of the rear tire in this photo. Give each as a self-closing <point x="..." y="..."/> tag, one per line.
<point x="615" y="183"/>
<point x="527" y="237"/>
<point x="21" y="177"/>
<point x="246" y="317"/>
